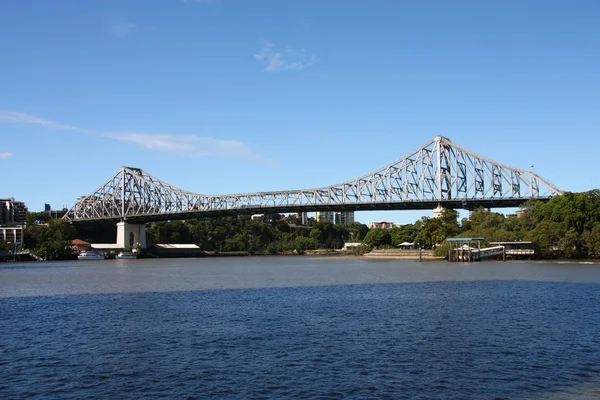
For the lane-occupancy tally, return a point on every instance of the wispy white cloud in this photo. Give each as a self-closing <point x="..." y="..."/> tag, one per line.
<point x="6" y="154"/>
<point x="21" y="118"/>
<point x="122" y="29"/>
<point x="286" y="59"/>
<point x="190" y="144"/>
<point x="193" y="145"/>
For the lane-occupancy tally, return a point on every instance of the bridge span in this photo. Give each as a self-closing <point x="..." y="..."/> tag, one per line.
<point x="439" y="173"/>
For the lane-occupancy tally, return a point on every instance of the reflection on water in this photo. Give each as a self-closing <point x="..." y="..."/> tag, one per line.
<point x="299" y="328"/>
<point x="165" y="275"/>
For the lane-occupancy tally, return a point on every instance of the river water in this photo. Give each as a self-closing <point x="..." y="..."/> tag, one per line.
<point x="299" y="328"/>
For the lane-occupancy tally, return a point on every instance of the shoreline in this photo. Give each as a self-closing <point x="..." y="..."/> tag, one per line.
<point x="401" y="257"/>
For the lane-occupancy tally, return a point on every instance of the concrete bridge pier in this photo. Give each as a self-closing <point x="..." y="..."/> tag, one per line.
<point x="131" y="235"/>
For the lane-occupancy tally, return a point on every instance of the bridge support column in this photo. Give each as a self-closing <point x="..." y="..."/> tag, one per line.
<point x="438" y="212"/>
<point x="131" y="235"/>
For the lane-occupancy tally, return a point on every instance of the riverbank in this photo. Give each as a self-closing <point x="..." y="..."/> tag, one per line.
<point x="397" y="254"/>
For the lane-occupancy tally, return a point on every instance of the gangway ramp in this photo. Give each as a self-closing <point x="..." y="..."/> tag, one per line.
<point x="463" y="249"/>
<point x="488" y="252"/>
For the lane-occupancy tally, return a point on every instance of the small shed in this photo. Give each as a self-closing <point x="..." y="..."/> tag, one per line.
<point x="80" y="245"/>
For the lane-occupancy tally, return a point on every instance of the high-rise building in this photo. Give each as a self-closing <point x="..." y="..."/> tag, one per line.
<point x="303" y="217"/>
<point x="12" y="217"/>
<point x="11" y="234"/>
<point x="336" y="217"/>
<point x="344" y="217"/>
<point x="54" y="213"/>
<point x="12" y="212"/>
<point x="325" y="216"/>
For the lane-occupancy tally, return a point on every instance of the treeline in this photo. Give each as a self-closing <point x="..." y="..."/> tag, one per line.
<point x="566" y="226"/>
<point x="276" y="234"/>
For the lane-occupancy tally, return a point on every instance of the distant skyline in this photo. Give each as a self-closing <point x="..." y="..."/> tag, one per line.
<point x="222" y="96"/>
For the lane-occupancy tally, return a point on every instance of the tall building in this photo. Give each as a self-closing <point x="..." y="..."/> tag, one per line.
<point x="336" y="217"/>
<point x="325" y="216"/>
<point x="54" y="213"/>
<point x="12" y="212"/>
<point x="11" y="234"/>
<point x="344" y="217"/>
<point x="12" y="217"/>
<point x="303" y="217"/>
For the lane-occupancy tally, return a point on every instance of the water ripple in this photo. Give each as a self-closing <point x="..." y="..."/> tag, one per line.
<point x="441" y="340"/>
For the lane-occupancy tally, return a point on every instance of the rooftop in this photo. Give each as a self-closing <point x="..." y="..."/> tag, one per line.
<point x="466" y="239"/>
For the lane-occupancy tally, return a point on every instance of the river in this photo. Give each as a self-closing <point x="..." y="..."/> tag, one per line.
<point x="299" y="328"/>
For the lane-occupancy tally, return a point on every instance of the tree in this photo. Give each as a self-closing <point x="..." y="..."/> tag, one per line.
<point x="377" y="238"/>
<point x="592" y="241"/>
<point x="301" y="244"/>
<point x="51" y="241"/>
<point x="547" y="234"/>
<point x="357" y="231"/>
<point x="433" y="231"/>
<point x="293" y="219"/>
<point x="404" y="233"/>
<point x="571" y="244"/>
<point x="34" y="218"/>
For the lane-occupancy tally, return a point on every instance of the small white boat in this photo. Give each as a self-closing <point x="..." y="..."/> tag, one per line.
<point x="90" y="255"/>
<point x="126" y="255"/>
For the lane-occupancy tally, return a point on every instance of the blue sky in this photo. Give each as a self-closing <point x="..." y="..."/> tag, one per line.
<point x="225" y="96"/>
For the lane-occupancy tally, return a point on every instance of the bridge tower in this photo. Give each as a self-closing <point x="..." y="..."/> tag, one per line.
<point x="444" y="163"/>
<point x="131" y="235"/>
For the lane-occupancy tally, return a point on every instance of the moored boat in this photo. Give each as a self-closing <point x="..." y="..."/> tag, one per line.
<point x="126" y="255"/>
<point x="90" y="255"/>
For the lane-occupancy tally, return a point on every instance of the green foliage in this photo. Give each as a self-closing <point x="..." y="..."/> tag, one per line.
<point x="357" y="231"/>
<point x="51" y="241"/>
<point x="493" y="227"/>
<point x="592" y="241"/>
<point x="33" y="218"/>
<point x="358" y="250"/>
<point x="565" y="226"/>
<point x="442" y="250"/>
<point x="273" y="235"/>
<point x="378" y="238"/>
<point x="404" y="233"/>
<point x="301" y="244"/>
<point x="433" y="231"/>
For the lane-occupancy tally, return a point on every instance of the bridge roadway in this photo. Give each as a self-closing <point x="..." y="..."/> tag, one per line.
<point x="378" y="206"/>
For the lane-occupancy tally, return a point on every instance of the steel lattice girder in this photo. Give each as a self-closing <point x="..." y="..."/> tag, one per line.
<point x="438" y="173"/>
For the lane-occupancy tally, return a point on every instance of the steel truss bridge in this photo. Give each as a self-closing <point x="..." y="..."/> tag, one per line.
<point x="439" y="173"/>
